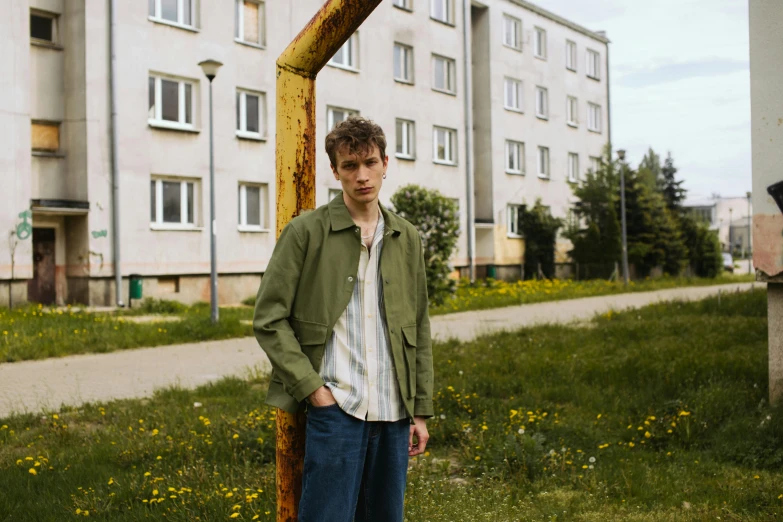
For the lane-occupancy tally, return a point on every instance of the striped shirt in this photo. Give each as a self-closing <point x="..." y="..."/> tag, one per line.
<point x="357" y="365"/>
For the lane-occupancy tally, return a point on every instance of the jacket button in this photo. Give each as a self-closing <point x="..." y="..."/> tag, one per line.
<point x="350" y="279"/>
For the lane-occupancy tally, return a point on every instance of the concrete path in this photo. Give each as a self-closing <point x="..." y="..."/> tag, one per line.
<point x="45" y="385"/>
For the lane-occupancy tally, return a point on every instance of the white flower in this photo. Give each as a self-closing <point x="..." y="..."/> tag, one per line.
<point x="551" y="453"/>
<point x="592" y="460"/>
<point x="460" y="372"/>
<point x="197" y="405"/>
<point x="591" y="466"/>
<point x="442" y="416"/>
<point x="521" y="431"/>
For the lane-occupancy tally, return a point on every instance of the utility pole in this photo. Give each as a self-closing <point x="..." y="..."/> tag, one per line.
<point x="621" y="155"/>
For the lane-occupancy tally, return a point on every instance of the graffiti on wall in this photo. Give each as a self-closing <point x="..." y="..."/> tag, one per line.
<point x="99" y="233"/>
<point x="24" y="229"/>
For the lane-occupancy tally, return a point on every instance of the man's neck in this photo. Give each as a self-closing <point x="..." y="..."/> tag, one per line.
<point x="362" y="213"/>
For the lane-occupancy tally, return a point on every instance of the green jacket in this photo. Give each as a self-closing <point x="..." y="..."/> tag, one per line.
<point x="307" y="286"/>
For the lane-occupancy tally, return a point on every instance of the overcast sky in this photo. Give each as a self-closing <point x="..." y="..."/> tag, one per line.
<point x="680" y="82"/>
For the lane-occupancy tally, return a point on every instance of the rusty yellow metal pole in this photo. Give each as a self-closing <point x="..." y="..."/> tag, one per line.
<point x="297" y="68"/>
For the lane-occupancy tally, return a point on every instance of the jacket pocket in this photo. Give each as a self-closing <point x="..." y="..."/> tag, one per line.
<point x="312" y="338"/>
<point x="409" y="337"/>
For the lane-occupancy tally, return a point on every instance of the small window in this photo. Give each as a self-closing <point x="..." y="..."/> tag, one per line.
<point x="444" y="74"/>
<point x="173" y="203"/>
<point x="170" y="102"/>
<point x="251" y="114"/>
<point x="403" y="63"/>
<point x="573" y="167"/>
<point x="406" y="139"/>
<point x="444" y="146"/>
<point x="572" y="111"/>
<point x="595" y="163"/>
<point x="542" y="103"/>
<point x="543" y="162"/>
<point x="513" y="220"/>
<point x="593" y="65"/>
<point x="512" y="32"/>
<point x="43" y="27"/>
<point x="333" y="193"/>
<point x="180" y="12"/>
<point x="250" y="22"/>
<point x="168" y="285"/>
<point x="512" y="94"/>
<point x="253" y="206"/>
<point x="594" y="117"/>
<point x="442" y="11"/>
<point x="570" y="55"/>
<point x="404" y="4"/>
<point x="335" y="115"/>
<point x="347" y="56"/>
<point x="45" y="136"/>
<point x="515" y="157"/>
<point x="539" y="43"/>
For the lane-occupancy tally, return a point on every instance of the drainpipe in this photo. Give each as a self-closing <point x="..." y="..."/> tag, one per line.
<point x="608" y="101"/>
<point x="469" y="168"/>
<point x="115" y="181"/>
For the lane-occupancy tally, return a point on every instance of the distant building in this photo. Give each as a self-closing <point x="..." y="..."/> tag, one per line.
<point x="727" y="216"/>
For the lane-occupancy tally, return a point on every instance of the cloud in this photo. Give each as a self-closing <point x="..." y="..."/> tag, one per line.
<point x="673" y="72"/>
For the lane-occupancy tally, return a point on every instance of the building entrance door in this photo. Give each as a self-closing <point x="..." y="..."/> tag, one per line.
<point x="41" y="288"/>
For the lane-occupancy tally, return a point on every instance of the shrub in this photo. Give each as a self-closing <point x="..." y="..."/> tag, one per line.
<point x="540" y="231"/>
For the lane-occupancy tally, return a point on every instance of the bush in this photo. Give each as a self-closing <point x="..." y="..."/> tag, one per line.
<point x="705" y="250"/>
<point x="436" y="218"/>
<point x="540" y="231"/>
<point x="150" y="305"/>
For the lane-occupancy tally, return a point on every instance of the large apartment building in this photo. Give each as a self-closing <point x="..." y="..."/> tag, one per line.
<point x="532" y="85"/>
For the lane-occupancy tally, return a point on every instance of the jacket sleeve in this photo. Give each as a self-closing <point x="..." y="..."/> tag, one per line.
<point x="273" y="308"/>
<point x="422" y="406"/>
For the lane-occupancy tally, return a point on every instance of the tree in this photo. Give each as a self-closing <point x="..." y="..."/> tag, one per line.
<point x="672" y="190"/>
<point x="539" y="228"/>
<point x="436" y="218"/>
<point x="704" y="252"/>
<point x="650" y="169"/>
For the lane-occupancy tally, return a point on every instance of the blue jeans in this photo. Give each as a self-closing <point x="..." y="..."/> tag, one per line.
<point x="353" y="470"/>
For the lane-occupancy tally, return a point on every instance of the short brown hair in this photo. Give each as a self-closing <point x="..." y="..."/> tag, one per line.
<point x="358" y="134"/>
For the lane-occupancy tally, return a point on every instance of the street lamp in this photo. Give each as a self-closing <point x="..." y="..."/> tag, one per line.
<point x="210" y="68"/>
<point x="621" y="156"/>
<point x="750" y="237"/>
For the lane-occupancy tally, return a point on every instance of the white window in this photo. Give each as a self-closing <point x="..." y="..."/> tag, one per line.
<point x="253" y="199"/>
<point x="43" y="27"/>
<point x="444" y="145"/>
<point x="593" y="64"/>
<point x="512" y="94"/>
<point x="543" y="162"/>
<point x="573" y="167"/>
<point x="333" y="193"/>
<point x="406" y="139"/>
<point x="250" y="21"/>
<point x="403" y="63"/>
<point x="173" y="203"/>
<point x="572" y="111"/>
<point x="512" y="32"/>
<point x="595" y="163"/>
<point x="179" y="12"/>
<point x="442" y="10"/>
<point x="515" y="157"/>
<point x="594" y="117"/>
<point x="570" y="55"/>
<point x="335" y="115"/>
<point x="542" y="103"/>
<point x="251" y="114"/>
<point x="170" y="102"/>
<point x="539" y="43"/>
<point x="512" y="221"/>
<point x="403" y="4"/>
<point x="347" y="56"/>
<point x="444" y="77"/>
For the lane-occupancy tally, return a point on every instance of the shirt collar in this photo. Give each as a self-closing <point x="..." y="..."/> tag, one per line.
<point x="341" y="219"/>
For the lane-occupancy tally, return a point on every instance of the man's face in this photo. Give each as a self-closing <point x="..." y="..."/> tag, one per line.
<point x="360" y="176"/>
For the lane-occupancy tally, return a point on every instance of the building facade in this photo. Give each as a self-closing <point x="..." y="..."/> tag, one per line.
<point x="729" y="217"/>
<point x="534" y="85"/>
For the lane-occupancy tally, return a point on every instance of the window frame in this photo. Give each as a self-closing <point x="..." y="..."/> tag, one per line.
<point x="572" y="111"/>
<point x="519" y="94"/>
<point x="405" y="5"/>
<point x="157" y="120"/>
<point x="545" y="92"/>
<point x="450" y="146"/>
<point x="158" y="18"/>
<point x="450" y="69"/>
<point x="158" y="223"/>
<point x="539" y="43"/>
<point x="543" y="152"/>
<point x="571" y="55"/>
<point x="512" y="220"/>
<point x="595" y="163"/>
<point x="409" y="137"/>
<point x="263" y="211"/>
<point x="408" y="66"/>
<point x="593" y="66"/>
<point x="594" y="117"/>
<point x="42" y="150"/>
<point x="241" y="100"/>
<point x="239" y="18"/>
<point x="353" y="54"/>
<point x="54" y="20"/>
<point x="516" y="24"/>
<point x="330" y="123"/>
<point x="519" y="155"/>
<point x="573" y="167"/>
<point x="448" y="7"/>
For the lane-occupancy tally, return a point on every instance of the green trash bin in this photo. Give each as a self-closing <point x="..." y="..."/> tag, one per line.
<point x="135" y="286"/>
<point x="491" y="271"/>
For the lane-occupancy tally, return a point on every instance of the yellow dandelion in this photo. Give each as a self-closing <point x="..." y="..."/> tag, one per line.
<point x="235" y="515"/>
<point x="32" y="471"/>
<point x="236" y="436"/>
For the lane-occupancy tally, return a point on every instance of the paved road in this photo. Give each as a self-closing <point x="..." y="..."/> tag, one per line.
<point x="45" y="385"/>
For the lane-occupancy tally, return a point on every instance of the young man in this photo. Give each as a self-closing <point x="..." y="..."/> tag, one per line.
<point x="342" y="315"/>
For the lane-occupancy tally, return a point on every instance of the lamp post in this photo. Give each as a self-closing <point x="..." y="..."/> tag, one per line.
<point x="750" y="237"/>
<point x="621" y="155"/>
<point x="210" y="68"/>
<point x="731" y="236"/>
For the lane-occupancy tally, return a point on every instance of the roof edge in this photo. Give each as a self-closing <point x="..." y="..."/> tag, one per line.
<point x="555" y="18"/>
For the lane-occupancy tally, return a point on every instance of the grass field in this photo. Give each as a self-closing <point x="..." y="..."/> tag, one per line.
<point x="658" y="414"/>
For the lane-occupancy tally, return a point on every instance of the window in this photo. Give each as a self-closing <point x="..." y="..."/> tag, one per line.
<point x="43" y="27"/>
<point x="444" y="142"/>
<point x="406" y="138"/>
<point x="542" y="103"/>
<point x="595" y="163"/>
<point x="444" y="74"/>
<point x="593" y="65"/>
<point x="178" y="12"/>
<point x="570" y="55"/>
<point x="253" y="207"/>
<point x="45" y="136"/>
<point x="442" y="11"/>
<point x="333" y="193"/>
<point x="403" y="63"/>
<point x="403" y="4"/>
<point x="347" y="56"/>
<point x="251" y="114"/>
<point x="572" y="111"/>
<point x="170" y="102"/>
<point x="172" y="203"/>
<point x="573" y="167"/>
<point x="515" y="157"/>
<point x="539" y="43"/>
<point x="543" y="162"/>
<point x="250" y="23"/>
<point x="512" y="221"/>
<point x="594" y="117"/>
<point x="335" y="115"/>
<point x="512" y="32"/>
<point x="512" y="94"/>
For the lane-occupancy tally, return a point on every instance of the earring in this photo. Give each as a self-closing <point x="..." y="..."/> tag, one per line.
<point x="384" y="175"/>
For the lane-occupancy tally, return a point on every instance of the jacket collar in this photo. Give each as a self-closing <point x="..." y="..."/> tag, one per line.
<point x="341" y="219"/>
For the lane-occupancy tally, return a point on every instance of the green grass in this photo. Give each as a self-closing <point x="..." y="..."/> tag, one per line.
<point x="519" y="416"/>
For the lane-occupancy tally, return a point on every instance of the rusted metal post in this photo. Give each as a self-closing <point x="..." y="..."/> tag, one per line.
<point x="297" y="68"/>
